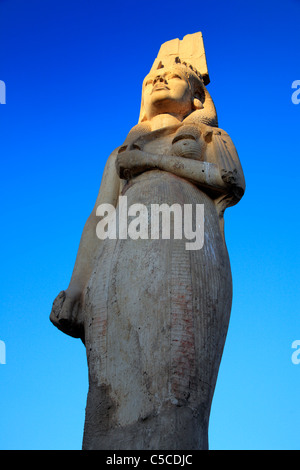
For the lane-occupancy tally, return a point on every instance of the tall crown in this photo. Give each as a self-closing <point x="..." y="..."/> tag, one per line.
<point x="189" y="50"/>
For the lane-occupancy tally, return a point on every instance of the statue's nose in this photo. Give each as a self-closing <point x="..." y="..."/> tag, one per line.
<point x="160" y="78"/>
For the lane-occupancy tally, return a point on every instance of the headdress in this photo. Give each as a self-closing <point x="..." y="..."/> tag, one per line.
<point x="189" y="51"/>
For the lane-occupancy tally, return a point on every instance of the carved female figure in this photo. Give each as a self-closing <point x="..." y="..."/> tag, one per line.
<point x="152" y="314"/>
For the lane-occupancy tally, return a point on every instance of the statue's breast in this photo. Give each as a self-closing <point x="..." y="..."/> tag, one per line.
<point x="159" y="145"/>
<point x="180" y="142"/>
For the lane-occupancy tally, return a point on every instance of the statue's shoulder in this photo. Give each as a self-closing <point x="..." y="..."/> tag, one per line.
<point x="112" y="157"/>
<point x="224" y="141"/>
<point x="139" y="130"/>
<point x="219" y="131"/>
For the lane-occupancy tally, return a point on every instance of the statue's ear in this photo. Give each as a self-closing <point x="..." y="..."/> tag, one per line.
<point x="197" y="104"/>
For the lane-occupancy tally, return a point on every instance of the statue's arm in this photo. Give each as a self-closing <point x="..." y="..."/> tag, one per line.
<point x="66" y="311"/>
<point x="223" y="152"/>
<point x="133" y="162"/>
<point x="108" y="193"/>
<point x="220" y="171"/>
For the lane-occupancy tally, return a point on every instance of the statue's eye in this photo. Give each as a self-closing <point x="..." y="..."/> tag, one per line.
<point x="174" y="75"/>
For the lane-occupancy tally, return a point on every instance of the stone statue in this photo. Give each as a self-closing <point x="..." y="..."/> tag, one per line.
<point x="152" y="314"/>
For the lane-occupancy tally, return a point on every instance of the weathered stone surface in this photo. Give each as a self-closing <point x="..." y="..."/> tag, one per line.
<point x="190" y="49"/>
<point x="152" y="313"/>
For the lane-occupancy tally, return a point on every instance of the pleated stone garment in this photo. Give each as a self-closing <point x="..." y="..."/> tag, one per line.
<point x="156" y="318"/>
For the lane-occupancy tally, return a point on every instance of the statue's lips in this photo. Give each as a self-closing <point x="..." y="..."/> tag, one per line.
<point x="159" y="88"/>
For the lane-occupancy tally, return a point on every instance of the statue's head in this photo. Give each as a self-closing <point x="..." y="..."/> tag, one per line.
<point x="177" y="83"/>
<point x="176" y="89"/>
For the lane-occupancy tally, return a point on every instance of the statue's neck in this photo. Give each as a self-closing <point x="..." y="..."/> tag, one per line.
<point x="164" y="120"/>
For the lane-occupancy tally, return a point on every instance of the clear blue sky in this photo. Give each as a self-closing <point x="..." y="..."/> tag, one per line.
<point x="73" y="72"/>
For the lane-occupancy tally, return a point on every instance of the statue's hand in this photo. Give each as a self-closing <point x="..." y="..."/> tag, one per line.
<point x="132" y="162"/>
<point x="65" y="314"/>
<point x="231" y="178"/>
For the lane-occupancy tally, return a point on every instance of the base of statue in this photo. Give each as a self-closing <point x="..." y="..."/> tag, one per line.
<point x="175" y="428"/>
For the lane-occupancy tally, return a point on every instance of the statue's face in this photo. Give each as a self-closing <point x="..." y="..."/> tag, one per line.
<point x="167" y="91"/>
